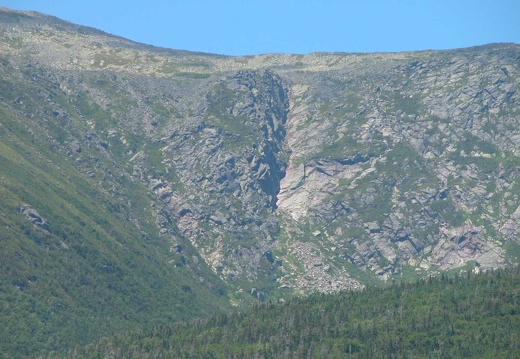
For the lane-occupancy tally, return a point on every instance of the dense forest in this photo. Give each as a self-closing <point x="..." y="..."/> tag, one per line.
<point x="472" y="316"/>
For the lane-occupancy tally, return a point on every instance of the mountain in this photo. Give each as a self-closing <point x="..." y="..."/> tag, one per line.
<point x="81" y="254"/>
<point x="445" y="317"/>
<point x="143" y="185"/>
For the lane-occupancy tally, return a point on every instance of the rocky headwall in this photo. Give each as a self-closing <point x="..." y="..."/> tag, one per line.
<point x="225" y="163"/>
<point x="286" y="172"/>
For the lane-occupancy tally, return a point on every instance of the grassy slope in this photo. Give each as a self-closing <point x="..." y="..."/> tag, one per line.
<point x="103" y="267"/>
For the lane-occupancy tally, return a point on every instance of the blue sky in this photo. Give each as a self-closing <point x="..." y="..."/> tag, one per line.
<point x="234" y="27"/>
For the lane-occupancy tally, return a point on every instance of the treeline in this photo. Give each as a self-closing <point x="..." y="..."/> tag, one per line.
<point x="475" y="316"/>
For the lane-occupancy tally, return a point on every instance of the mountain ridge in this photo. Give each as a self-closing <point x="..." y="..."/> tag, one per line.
<point x="43" y="16"/>
<point x="245" y="178"/>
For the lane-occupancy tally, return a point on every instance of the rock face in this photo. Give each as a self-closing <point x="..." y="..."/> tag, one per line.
<point x="400" y="157"/>
<point x="34" y="217"/>
<point x="226" y="170"/>
<point x="291" y="173"/>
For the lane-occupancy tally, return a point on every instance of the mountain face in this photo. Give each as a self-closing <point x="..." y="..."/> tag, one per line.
<point x="262" y="176"/>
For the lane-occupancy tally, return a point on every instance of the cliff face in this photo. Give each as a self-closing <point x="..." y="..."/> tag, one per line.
<point x="407" y="161"/>
<point x="223" y="167"/>
<point x="284" y="173"/>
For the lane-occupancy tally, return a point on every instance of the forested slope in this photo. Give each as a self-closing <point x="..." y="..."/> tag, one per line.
<point x="473" y="316"/>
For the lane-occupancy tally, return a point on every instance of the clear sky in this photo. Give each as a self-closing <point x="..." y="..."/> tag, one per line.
<point x="249" y="27"/>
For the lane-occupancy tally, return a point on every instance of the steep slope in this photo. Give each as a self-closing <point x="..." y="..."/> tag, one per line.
<point x="81" y="255"/>
<point x="274" y="175"/>
<point x="407" y="161"/>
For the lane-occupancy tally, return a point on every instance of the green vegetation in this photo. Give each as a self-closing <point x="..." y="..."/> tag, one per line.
<point x="100" y="267"/>
<point x="470" y="316"/>
<point x="123" y="165"/>
<point x="237" y="130"/>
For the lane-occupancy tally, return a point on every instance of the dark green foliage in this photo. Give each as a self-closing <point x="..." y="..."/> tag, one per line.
<point x="447" y="317"/>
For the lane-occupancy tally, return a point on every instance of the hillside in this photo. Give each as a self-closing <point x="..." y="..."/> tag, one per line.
<point x="460" y="317"/>
<point x="80" y="258"/>
<point x="143" y="185"/>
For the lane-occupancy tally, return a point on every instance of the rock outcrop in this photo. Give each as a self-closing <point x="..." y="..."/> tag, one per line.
<point x="288" y="173"/>
<point x="34" y="217"/>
